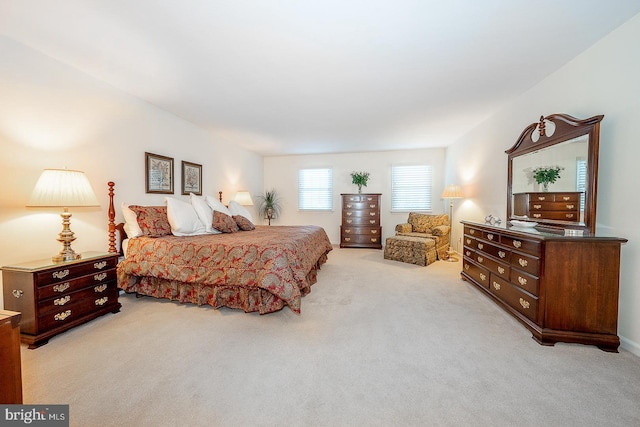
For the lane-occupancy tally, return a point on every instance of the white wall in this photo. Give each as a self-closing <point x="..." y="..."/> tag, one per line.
<point x="281" y="173"/>
<point x="52" y="116"/>
<point x="602" y="80"/>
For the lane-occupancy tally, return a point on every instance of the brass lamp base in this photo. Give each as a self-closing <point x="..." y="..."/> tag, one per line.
<point x="66" y="237"/>
<point x="451" y="256"/>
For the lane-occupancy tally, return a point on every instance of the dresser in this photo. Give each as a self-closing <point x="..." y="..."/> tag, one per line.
<point x="361" y="221"/>
<point x="558" y="206"/>
<point x="562" y="288"/>
<point x="55" y="297"/>
<point x="10" y="362"/>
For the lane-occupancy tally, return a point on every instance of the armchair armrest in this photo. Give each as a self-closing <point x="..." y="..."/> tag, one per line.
<point x="441" y="230"/>
<point x="404" y="228"/>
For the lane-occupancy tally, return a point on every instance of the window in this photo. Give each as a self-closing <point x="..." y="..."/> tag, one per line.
<point x="315" y="189"/>
<point x="581" y="180"/>
<point x="411" y="188"/>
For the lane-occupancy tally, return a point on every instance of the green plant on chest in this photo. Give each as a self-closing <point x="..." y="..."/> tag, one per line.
<point x="360" y="179"/>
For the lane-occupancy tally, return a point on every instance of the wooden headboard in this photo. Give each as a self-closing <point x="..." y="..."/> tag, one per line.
<point x="113" y="227"/>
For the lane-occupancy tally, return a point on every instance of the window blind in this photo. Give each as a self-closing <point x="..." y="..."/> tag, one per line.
<point x="411" y="188"/>
<point x="315" y="189"/>
<point x="581" y="180"/>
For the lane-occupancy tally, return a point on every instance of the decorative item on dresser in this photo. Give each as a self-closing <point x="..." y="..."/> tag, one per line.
<point x="10" y="362"/>
<point x="55" y="297"/>
<point x="556" y="206"/>
<point x="361" y="221"/>
<point x="559" y="298"/>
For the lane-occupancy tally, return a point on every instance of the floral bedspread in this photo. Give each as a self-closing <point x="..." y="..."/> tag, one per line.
<point x="281" y="260"/>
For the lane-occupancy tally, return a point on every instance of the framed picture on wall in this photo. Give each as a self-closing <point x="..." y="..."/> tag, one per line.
<point x="191" y="178"/>
<point x="158" y="173"/>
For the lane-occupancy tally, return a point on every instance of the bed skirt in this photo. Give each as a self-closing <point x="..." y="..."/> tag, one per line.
<point x="249" y="299"/>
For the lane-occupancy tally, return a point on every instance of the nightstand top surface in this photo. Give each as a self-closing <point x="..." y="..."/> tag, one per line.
<point x="43" y="264"/>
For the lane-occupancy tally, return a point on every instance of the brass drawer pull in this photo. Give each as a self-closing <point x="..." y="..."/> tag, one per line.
<point x="349" y="221"/>
<point x="61" y="287"/>
<point x="100" y="288"/>
<point x="62" y="301"/>
<point x="517" y="243"/>
<point x="348" y="213"/>
<point x="568" y="215"/>
<point x="372" y="206"/>
<point x="372" y="221"/>
<point x="17" y="293"/>
<point x="496" y="286"/>
<point x="374" y="240"/>
<point x="566" y="198"/>
<point x="523" y="262"/>
<point x="490" y="236"/>
<point x="102" y="301"/>
<point x="372" y="213"/>
<point x="524" y="303"/>
<point x="374" y="231"/>
<point x="468" y="241"/>
<point x="537" y="215"/>
<point x="369" y="199"/>
<point x="347" y="239"/>
<point x="99" y="277"/>
<point x="571" y="206"/>
<point x="349" y="205"/>
<point x="480" y="246"/>
<point x="472" y="231"/>
<point x="537" y="206"/>
<point x="483" y="277"/>
<point x="522" y="280"/>
<point x="502" y="254"/>
<point x="466" y="266"/>
<point x="63" y="315"/>
<point x="480" y="259"/>
<point x="60" y="274"/>
<point x="347" y="230"/>
<point x="541" y="198"/>
<point x="501" y="270"/>
<point x="468" y="253"/>
<point x="100" y="265"/>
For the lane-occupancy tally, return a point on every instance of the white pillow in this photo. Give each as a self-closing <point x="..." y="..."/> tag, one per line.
<point x="131" y="226"/>
<point x="216" y="205"/>
<point x="183" y="218"/>
<point x="237" y="209"/>
<point x="204" y="212"/>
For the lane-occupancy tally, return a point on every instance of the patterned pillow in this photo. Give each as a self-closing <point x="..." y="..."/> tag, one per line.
<point x="244" y="223"/>
<point x="152" y="220"/>
<point x="224" y="223"/>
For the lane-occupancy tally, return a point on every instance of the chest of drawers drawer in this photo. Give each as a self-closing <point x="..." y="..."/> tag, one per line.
<point x="523" y="302"/>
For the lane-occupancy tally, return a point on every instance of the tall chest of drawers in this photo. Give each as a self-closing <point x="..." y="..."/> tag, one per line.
<point x="558" y="206"/>
<point x="361" y="221"/>
<point x="55" y="297"/>
<point x="562" y="288"/>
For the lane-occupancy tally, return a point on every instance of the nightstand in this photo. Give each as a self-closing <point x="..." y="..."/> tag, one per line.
<point x="55" y="297"/>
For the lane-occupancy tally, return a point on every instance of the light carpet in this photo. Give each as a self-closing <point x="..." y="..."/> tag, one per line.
<point x="378" y="343"/>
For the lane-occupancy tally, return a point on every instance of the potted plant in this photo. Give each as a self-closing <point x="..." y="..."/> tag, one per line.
<point x="546" y="175"/>
<point x="269" y="205"/>
<point x="360" y="179"/>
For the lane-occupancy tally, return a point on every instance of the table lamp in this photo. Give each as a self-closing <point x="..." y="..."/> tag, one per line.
<point x="63" y="188"/>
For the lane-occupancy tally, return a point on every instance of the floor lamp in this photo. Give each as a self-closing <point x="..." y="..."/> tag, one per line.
<point x="451" y="192"/>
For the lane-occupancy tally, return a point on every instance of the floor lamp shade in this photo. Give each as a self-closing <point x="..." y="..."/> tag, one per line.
<point x="63" y="188"/>
<point x="452" y="192"/>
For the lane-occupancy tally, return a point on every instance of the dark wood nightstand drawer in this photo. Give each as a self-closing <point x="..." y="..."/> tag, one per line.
<point x="63" y="273"/>
<point x="77" y="310"/>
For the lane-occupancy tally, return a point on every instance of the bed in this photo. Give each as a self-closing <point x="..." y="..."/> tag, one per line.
<point x="260" y="270"/>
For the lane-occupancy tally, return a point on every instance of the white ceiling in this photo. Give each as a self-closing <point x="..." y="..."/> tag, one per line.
<point x="319" y="76"/>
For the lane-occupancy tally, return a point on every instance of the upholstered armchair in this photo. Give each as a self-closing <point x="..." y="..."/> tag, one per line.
<point x="435" y="227"/>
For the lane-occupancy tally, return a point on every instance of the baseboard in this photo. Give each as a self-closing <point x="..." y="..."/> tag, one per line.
<point x="630" y="346"/>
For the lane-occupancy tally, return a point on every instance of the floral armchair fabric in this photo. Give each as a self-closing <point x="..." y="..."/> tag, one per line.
<point x="435" y="227"/>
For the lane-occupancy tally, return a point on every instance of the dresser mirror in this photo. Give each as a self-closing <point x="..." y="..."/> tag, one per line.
<point x="570" y="147"/>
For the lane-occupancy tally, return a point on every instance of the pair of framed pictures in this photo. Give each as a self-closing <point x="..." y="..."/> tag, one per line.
<point x="159" y="175"/>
